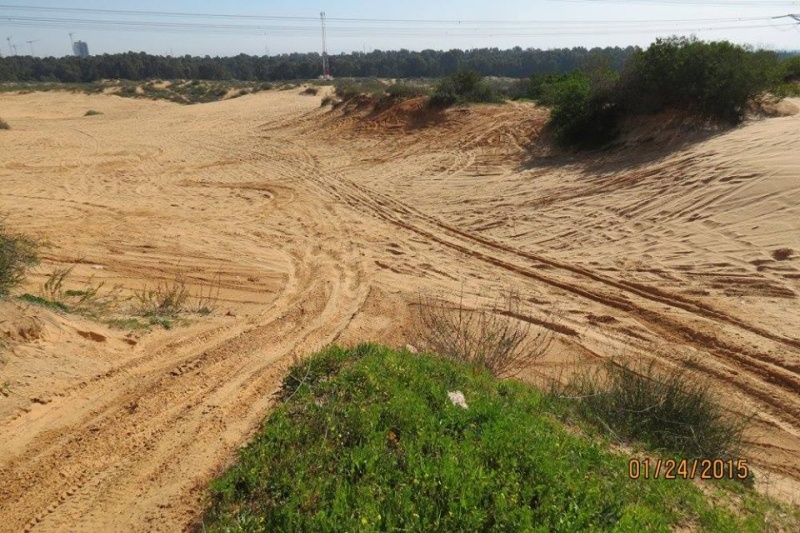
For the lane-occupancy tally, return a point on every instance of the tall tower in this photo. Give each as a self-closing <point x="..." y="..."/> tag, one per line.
<point x="326" y="73"/>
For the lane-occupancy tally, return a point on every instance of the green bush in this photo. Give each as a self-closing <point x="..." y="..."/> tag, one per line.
<point x="712" y="79"/>
<point x="715" y="80"/>
<point x="18" y="253"/>
<point x="791" y="69"/>
<point x="349" y="88"/>
<point x="404" y="91"/>
<point x="533" y="87"/>
<point x="461" y="87"/>
<point x="582" y="114"/>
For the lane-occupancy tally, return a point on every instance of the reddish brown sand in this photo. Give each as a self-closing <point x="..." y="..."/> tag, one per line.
<point x="323" y="228"/>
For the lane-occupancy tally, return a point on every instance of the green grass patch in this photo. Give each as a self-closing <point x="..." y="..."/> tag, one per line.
<point x="126" y="324"/>
<point x="368" y="440"/>
<point x="44" y="302"/>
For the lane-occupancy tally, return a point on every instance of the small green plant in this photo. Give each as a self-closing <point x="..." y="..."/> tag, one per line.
<point x="4" y="125"/>
<point x="327" y="100"/>
<point x="18" y="253"/>
<point x="128" y="324"/>
<point x="310" y="91"/>
<point x="92" y="113"/>
<point x="668" y="410"/>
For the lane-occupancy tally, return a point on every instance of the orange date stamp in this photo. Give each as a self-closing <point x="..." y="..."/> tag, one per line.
<point x="711" y="469"/>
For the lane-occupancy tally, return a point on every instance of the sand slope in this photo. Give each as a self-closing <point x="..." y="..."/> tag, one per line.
<point x="323" y="228"/>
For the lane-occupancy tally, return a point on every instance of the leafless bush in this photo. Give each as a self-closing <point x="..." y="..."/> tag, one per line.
<point x="496" y="337"/>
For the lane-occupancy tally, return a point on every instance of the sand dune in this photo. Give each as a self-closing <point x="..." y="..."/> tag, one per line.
<point x="323" y="227"/>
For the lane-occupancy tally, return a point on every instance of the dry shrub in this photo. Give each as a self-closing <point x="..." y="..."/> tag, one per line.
<point x="493" y="337"/>
<point x="782" y="254"/>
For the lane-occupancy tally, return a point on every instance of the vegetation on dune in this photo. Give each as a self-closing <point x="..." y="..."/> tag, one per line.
<point x="371" y="439"/>
<point x="463" y="87"/>
<point x="4" y="125"/>
<point x="712" y="80"/>
<point x="178" y="91"/>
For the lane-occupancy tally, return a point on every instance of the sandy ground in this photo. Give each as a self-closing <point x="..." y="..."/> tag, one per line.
<point x="324" y="228"/>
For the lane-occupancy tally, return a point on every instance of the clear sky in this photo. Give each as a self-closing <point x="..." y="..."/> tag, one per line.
<point x="410" y="24"/>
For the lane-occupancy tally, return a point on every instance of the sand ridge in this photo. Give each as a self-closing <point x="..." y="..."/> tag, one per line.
<point x="323" y="226"/>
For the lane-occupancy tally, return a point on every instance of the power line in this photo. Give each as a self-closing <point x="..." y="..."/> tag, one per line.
<point x="622" y="26"/>
<point x="315" y="20"/>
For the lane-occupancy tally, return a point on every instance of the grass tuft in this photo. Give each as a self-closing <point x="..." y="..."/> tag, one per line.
<point x="92" y="113"/>
<point x="4" y="125"/>
<point x="670" y="411"/>
<point x="167" y="300"/>
<point x="18" y="253"/>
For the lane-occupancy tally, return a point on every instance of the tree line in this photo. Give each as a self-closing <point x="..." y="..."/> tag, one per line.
<point x="515" y="62"/>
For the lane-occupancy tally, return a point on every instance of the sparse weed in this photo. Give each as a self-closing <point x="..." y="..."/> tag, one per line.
<point x="88" y="300"/>
<point x="494" y="338"/>
<point x="173" y="299"/>
<point x="92" y="113"/>
<point x="4" y="125"/>
<point x="207" y="297"/>
<point x="167" y="300"/>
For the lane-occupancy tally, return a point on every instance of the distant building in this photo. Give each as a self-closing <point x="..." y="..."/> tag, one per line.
<point x="80" y="49"/>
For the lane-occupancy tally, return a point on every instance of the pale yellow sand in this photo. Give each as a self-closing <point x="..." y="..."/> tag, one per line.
<point x="323" y="228"/>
